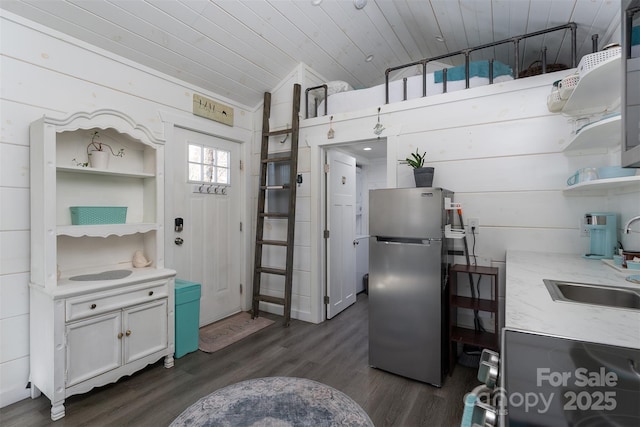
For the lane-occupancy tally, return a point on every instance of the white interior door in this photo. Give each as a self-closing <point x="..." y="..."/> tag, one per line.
<point x="341" y="223"/>
<point x="210" y="250"/>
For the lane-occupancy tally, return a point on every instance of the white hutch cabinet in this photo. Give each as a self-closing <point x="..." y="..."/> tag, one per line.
<point x="94" y="317"/>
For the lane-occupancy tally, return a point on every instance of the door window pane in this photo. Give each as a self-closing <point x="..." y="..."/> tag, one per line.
<point x="195" y="153"/>
<point x="223" y="159"/>
<point x="208" y="165"/>
<point x="195" y="172"/>
<point x="223" y="176"/>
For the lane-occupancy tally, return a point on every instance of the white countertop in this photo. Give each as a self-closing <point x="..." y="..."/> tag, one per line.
<point x="529" y="306"/>
<point x="66" y="288"/>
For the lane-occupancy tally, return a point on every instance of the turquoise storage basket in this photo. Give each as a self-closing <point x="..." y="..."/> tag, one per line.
<point x="187" y="317"/>
<point x="92" y="215"/>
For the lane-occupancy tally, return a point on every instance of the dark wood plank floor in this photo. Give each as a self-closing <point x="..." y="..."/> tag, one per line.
<point x="333" y="353"/>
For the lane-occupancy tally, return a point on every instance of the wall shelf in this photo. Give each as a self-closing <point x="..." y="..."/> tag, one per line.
<point x="111" y="172"/>
<point x="605" y="133"/>
<point x="597" y="91"/>
<point x="105" y="230"/>
<point x="627" y="182"/>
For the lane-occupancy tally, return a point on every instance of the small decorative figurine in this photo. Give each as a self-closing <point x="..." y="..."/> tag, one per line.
<point x="140" y="261"/>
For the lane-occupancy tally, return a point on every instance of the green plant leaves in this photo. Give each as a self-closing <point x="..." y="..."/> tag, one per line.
<point x="416" y="160"/>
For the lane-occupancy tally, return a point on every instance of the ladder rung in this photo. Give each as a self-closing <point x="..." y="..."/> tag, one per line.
<point x="276" y="159"/>
<point x="274" y="300"/>
<point x="270" y="270"/>
<point x="278" y="132"/>
<point x="275" y="187"/>
<point x="274" y="215"/>
<point x="273" y="242"/>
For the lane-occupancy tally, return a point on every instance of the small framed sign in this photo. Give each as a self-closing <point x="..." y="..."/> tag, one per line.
<point x="212" y="110"/>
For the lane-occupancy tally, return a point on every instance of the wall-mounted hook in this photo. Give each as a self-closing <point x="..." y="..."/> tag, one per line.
<point x="331" y="133"/>
<point x="378" y="128"/>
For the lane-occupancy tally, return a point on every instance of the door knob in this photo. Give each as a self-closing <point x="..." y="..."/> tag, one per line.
<point x="128" y="333"/>
<point x="179" y="241"/>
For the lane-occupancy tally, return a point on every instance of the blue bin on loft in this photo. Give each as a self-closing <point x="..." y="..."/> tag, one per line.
<point x="187" y="316"/>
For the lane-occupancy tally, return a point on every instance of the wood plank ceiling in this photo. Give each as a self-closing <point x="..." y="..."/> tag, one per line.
<point x="241" y="48"/>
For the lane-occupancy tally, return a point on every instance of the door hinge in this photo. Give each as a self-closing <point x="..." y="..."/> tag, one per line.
<point x="326" y="234"/>
<point x="326" y="168"/>
<point x="326" y="299"/>
<point x="241" y="226"/>
<point x="241" y="165"/>
<point x="240" y="288"/>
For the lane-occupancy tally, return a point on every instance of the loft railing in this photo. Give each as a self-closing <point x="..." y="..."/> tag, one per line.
<point x="306" y="100"/>
<point x="467" y="52"/>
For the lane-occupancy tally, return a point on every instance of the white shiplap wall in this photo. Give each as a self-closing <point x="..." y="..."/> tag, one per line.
<point x="44" y="72"/>
<point x="501" y="151"/>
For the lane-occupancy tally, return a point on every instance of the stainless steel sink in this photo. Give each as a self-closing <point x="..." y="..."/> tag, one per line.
<point x="610" y="296"/>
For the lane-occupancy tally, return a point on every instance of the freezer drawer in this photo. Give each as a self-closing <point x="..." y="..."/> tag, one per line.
<point x="405" y="311"/>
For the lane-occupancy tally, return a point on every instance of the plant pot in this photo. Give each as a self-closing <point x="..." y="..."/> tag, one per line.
<point x="99" y="159"/>
<point x="423" y="176"/>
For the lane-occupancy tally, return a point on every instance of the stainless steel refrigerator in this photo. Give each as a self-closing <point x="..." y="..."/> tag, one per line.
<point x="408" y="264"/>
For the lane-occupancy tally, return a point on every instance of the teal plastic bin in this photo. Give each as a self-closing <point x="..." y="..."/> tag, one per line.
<point x="187" y="316"/>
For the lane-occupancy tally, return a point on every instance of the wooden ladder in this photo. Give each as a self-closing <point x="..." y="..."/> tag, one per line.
<point x="264" y="188"/>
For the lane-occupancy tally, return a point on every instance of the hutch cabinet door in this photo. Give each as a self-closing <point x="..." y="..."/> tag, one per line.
<point x="93" y="347"/>
<point x="145" y="328"/>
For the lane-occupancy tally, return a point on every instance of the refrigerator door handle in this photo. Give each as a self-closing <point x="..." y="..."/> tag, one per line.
<point x="416" y="242"/>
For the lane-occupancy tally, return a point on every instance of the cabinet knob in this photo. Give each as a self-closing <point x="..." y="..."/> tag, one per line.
<point x="128" y="333"/>
<point x="120" y="336"/>
<point x="93" y="306"/>
<point x="150" y="293"/>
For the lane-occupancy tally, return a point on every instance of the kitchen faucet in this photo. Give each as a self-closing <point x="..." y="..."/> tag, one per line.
<point x="628" y="224"/>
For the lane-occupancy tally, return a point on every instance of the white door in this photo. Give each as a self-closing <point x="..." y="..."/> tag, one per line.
<point x="210" y="250"/>
<point x="341" y="223"/>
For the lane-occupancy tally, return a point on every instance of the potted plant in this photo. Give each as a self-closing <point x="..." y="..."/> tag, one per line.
<point x="422" y="175"/>
<point x="97" y="153"/>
